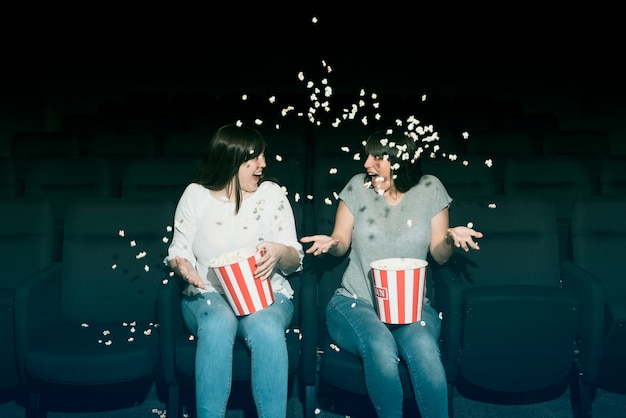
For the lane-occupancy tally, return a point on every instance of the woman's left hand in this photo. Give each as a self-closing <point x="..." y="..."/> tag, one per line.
<point x="463" y="237"/>
<point x="272" y="252"/>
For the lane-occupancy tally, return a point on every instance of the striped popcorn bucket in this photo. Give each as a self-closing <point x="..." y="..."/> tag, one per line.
<point x="399" y="289"/>
<point x="236" y="275"/>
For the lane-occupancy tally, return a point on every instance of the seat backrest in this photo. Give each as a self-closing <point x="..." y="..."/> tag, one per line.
<point x="188" y="144"/>
<point x="290" y="172"/>
<point x="503" y="144"/>
<point x="520" y="243"/>
<point x="598" y="234"/>
<point x="158" y="177"/>
<point x="613" y="176"/>
<point x="44" y="144"/>
<point x="345" y="139"/>
<point x="119" y="148"/>
<point x="8" y="178"/>
<point x="288" y="139"/>
<point x="466" y="176"/>
<point x="559" y="179"/>
<point x="62" y="179"/>
<point x="26" y="238"/>
<point x="330" y="175"/>
<point x="113" y="252"/>
<point x="28" y="145"/>
<point x="584" y="142"/>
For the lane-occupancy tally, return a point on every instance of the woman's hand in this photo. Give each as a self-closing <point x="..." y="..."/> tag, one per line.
<point x="188" y="273"/>
<point x="272" y="252"/>
<point x="321" y="244"/>
<point x="463" y="237"/>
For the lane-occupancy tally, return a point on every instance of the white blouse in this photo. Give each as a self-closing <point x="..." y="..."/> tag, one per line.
<point x="206" y="227"/>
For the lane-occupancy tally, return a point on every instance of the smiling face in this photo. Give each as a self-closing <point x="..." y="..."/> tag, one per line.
<point x="379" y="170"/>
<point x="250" y="173"/>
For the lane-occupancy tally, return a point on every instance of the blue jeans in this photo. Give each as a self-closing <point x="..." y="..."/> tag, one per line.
<point x="210" y="318"/>
<point x="358" y="330"/>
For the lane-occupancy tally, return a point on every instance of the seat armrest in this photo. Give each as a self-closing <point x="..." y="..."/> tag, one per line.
<point x="448" y="297"/>
<point x="308" y="318"/>
<point x="591" y="331"/>
<point x="37" y="306"/>
<point x="171" y="325"/>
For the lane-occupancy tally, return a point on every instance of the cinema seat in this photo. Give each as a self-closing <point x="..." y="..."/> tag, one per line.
<point x="27" y="246"/>
<point x="598" y="234"/>
<point x="512" y="327"/>
<point x="89" y="321"/>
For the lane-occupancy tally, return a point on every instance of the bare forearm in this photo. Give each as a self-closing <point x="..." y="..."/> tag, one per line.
<point x="442" y="252"/>
<point x="289" y="260"/>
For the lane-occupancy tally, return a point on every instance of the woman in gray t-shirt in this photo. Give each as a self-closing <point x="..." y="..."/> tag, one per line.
<point x="391" y="212"/>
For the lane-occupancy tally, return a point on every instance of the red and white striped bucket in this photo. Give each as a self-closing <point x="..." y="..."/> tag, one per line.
<point x="399" y="285"/>
<point x="235" y="271"/>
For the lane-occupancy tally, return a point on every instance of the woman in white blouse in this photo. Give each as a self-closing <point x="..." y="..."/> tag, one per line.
<point x="229" y="207"/>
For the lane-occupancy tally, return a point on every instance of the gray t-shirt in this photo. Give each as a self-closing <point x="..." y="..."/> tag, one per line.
<point x="385" y="231"/>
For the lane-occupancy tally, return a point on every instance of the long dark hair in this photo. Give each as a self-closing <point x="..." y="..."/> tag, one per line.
<point x="403" y="153"/>
<point x="230" y="146"/>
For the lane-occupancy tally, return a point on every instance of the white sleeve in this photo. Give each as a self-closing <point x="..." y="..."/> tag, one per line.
<point x="185" y="219"/>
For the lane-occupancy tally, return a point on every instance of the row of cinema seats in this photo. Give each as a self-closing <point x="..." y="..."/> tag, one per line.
<point x="560" y="179"/>
<point x="574" y="163"/>
<point x="311" y="178"/>
<point x="516" y="320"/>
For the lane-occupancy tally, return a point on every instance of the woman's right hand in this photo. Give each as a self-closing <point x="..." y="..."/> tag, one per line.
<point x="188" y="273"/>
<point x="321" y="244"/>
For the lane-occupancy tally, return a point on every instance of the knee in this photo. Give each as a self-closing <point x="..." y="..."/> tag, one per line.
<point x="380" y="351"/>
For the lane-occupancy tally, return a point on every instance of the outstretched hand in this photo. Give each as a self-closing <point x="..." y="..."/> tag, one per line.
<point x="321" y="244"/>
<point x="464" y="237"/>
<point x="188" y="273"/>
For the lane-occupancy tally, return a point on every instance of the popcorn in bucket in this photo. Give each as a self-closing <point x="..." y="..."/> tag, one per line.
<point x="235" y="271"/>
<point x="399" y="289"/>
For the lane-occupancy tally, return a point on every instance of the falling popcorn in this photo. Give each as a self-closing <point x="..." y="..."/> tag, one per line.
<point x="470" y="224"/>
<point x="492" y="206"/>
<point x="121" y="233"/>
<point x="146" y="268"/>
<point x="423" y="323"/>
<point x="133" y="243"/>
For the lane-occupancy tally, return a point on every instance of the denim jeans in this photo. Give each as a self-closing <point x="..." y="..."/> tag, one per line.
<point x="210" y="318"/>
<point x="355" y="327"/>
